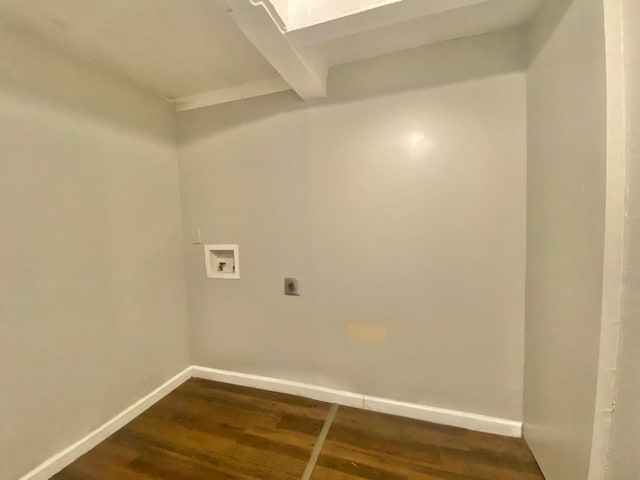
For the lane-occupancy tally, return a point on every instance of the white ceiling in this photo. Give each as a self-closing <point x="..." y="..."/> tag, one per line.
<point x="173" y="47"/>
<point x="203" y="52"/>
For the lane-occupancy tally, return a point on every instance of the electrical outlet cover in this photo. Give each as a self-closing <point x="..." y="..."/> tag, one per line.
<point x="292" y="286"/>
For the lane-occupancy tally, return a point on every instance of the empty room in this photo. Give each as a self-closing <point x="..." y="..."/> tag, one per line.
<point x="320" y="239"/>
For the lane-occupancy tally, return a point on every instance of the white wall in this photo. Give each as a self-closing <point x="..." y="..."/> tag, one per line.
<point x="624" y="463"/>
<point x="92" y="303"/>
<point x="399" y="202"/>
<point x="566" y="179"/>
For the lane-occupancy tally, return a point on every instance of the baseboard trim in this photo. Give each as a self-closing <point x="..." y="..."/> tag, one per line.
<point x="443" y="416"/>
<point x="54" y="464"/>
<point x="314" y="392"/>
<point x="454" y="418"/>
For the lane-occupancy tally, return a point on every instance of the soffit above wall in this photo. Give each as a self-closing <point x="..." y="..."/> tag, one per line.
<point x="468" y="19"/>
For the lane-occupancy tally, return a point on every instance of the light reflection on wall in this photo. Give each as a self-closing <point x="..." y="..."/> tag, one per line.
<point x="418" y="143"/>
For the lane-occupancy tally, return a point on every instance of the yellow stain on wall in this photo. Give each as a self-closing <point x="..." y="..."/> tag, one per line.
<point x="367" y="333"/>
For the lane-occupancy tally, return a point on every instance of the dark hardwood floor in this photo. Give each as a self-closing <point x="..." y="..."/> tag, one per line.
<point x="368" y="445"/>
<point x="208" y="430"/>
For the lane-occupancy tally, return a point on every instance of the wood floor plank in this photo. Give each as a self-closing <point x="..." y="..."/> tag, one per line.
<point x="209" y="430"/>
<point x="368" y="445"/>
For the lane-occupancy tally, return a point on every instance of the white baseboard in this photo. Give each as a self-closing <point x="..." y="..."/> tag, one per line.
<point x="443" y="416"/>
<point x="314" y="392"/>
<point x="454" y="418"/>
<point x="53" y="465"/>
<point x="470" y="421"/>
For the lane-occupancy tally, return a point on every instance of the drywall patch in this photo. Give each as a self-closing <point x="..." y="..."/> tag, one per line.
<point x="367" y="333"/>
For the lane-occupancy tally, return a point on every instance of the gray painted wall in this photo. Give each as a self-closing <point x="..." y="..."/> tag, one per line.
<point x="566" y="169"/>
<point x="92" y="296"/>
<point x="399" y="202"/>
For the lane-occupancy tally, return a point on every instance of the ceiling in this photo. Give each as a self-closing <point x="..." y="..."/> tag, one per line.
<point x="202" y="52"/>
<point x="173" y="47"/>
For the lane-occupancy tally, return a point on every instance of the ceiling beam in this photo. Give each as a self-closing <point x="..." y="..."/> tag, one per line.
<point x="277" y="10"/>
<point x="261" y="24"/>
<point x="231" y="94"/>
